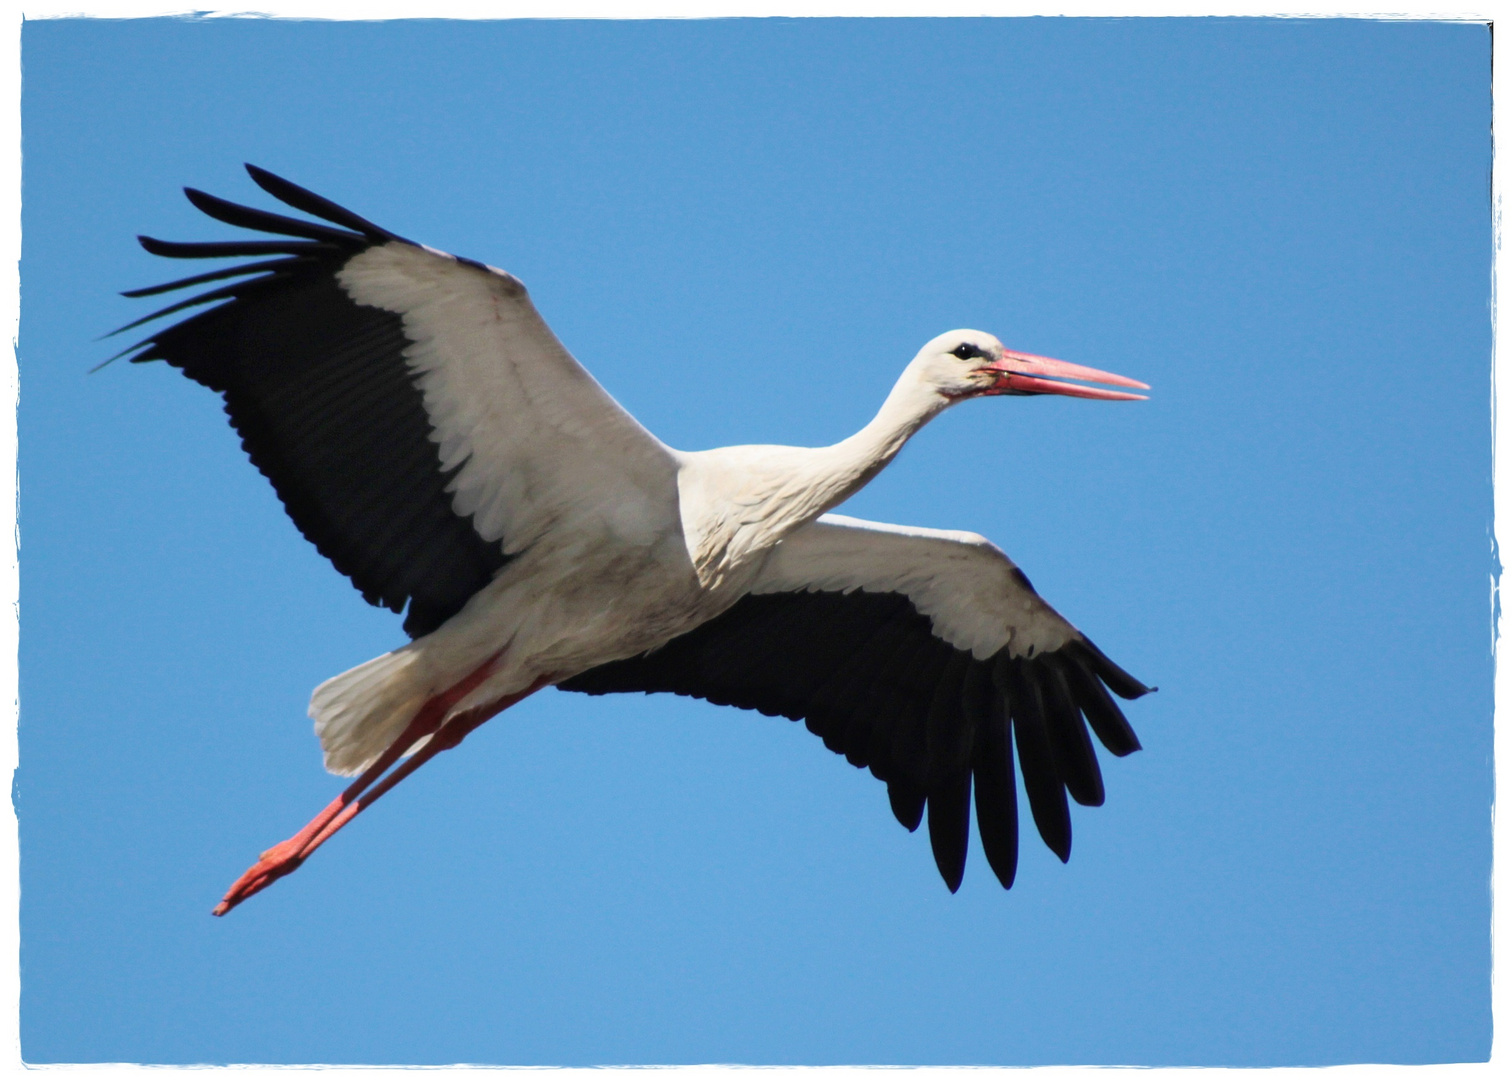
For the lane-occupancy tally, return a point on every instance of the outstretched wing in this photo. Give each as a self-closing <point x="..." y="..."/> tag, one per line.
<point x="418" y="419"/>
<point x="924" y="655"/>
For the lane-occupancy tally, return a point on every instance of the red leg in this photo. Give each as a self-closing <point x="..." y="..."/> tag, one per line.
<point x="449" y="736"/>
<point x="285" y="858"/>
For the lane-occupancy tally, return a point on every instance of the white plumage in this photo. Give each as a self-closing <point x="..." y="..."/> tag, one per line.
<point x="429" y="433"/>
<point x="961" y="582"/>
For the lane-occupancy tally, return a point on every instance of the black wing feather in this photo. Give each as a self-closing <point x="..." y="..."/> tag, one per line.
<point x="831" y="708"/>
<point x="1119" y="681"/>
<point x="907" y="804"/>
<point x="887" y="685"/>
<point x="213" y="275"/>
<point x="1101" y="711"/>
<point x="1075" y="759"/>
<point x="237" y="290"/>
<point x="304" y="199"/>
<point x="247" y="217"/>
<point x="235" y="249"/>
<point x="902" y="718"/>
<point x="996" y="795"/>
<point x="917" y="752"/>
<point x="950" y="827"/>
<point x="1042" y="781"/>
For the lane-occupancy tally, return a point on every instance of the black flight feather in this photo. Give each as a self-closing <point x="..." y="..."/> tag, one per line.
<point x="1047" y="795"/>
<point x="996" y="794"/>
<point x="1119" y="681"/>
<point x="907" y="803"/>
<point x="900" y="728"/>
<point x="213" y="275"/>
<point x="225" y="292"/>
<point x="1101" y="711"/>
<point x="1075" y="759"/>
<point x="304" y="199"/>
<point x="875" y="704"/>
<point x="233" y="249"/>
<point x="262" y="220"/>
<point x="948" y="734"/>
<point x="950" y="827"/>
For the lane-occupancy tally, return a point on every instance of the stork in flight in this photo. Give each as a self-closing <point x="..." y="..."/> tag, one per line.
<point x="429" y="434"/>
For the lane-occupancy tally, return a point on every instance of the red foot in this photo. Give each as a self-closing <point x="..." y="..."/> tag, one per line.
<point x="288" y="856"/>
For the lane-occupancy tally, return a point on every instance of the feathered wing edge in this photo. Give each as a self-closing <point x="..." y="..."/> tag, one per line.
<point x="310" y="248"/>
<point x="866" y="673"/>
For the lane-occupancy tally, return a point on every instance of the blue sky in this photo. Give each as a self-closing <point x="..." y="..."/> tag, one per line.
<point x="745" y="229"/>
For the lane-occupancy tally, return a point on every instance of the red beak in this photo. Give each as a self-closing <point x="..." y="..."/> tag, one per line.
<point x="1025" y="373"/>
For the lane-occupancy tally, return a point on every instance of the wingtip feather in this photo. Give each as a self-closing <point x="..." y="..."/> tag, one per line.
<point x="301" y="198"/>
<point x="950" y="828"/>
<point x="1119" y="681"/>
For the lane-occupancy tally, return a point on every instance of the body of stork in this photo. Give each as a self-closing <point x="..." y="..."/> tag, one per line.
<point x="552" y="611"/>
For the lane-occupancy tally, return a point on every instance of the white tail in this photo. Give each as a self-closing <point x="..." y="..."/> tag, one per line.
<point x="360" y="712"/>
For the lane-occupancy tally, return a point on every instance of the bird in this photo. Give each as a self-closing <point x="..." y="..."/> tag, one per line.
<point x="428" y="433"/>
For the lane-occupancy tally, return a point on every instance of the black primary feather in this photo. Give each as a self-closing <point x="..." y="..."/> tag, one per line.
<point x="1075" y="760"/>
<point x="304" y="199"/>
<point x="1042" y="783"/>
<point x="907" y="804"/>
<point x="996" y="794"/>
<point x="899" y="729"/>
<point x="950" y="827"/>
<point x="213" y="275"/>
<point x="248" y="217"/>
<point x="236" y="249"/>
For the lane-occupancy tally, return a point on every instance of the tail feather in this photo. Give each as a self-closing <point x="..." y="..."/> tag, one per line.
<point x="360" y="712"/>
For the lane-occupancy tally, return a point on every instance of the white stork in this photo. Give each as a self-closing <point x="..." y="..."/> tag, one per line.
<point x="428" y="433"/>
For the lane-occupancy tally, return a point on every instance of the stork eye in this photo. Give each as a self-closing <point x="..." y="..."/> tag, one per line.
<point x="966" y="351"/>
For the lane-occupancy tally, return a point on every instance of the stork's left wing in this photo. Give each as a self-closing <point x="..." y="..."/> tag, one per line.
<point x="925" y="655"/>
<point x="417" y="417"/>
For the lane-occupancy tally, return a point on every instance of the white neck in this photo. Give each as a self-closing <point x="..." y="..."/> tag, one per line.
<point x="841" y="470"/>
<point x="740" y="500"/>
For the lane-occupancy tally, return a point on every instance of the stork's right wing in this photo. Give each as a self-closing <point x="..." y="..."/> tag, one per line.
<point x="418" y="419"/>
<point x="928" y="657"/>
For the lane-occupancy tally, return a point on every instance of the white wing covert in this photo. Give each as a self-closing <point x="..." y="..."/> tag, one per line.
<point x="924" y="655"/>
<point x="418" y="419"/>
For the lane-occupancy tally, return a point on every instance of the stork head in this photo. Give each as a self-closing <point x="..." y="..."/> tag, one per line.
<point x="969" y="363"/>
